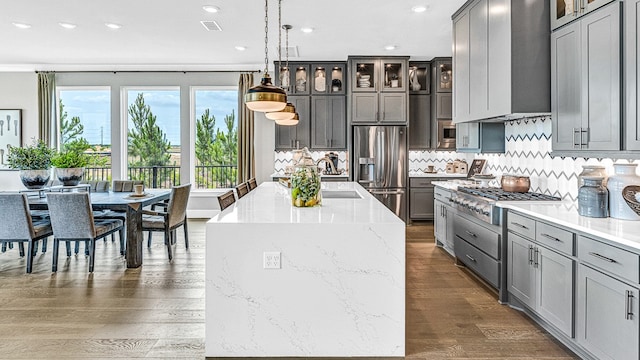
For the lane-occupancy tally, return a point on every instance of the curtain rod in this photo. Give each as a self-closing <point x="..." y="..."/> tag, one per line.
<point x="154" y="71"/>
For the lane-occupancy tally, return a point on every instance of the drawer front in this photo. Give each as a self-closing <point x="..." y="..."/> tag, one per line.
<point x="477" y="235"/>
<point x="616" y="261"/>
<point x="442" y="195"/>
<point x="521" y="225"/>
<point x="421" y="182"/>
<point x="555" y="238"/>
<point x="479" y="262"/>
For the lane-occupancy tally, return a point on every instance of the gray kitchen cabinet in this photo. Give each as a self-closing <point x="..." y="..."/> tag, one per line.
<point x="632" y="77"/>
<point x="565" y="11"/>
<point x="443" y="220"/>
<point x="585" y="78"/>
<point x="608" y="324"/>
<point x="329" y="123"/>
<point x="295" y="137"/>
<point x="421" y="203"/>
<point x="480" y="137"/>
<point x="419" y="122"/>
<point x="499" y="61"/>
<point x="521" y="278"/>
<point x="443" y="106"/>
<point x="378" y="90"/>
<point x="328" y="79"/>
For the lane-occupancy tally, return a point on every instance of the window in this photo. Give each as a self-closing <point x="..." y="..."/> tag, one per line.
<point x="153" y="136"/>
<point x="85" y="113"/>
<point x="216" y="137"/>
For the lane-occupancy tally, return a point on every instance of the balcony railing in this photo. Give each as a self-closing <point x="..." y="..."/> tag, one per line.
<point x="207" y="176"/>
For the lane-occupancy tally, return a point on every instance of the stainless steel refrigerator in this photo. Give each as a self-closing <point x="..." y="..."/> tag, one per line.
<point x="380" y="164"/>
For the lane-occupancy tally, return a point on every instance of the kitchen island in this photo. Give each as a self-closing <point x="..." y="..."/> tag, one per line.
<point x="322" y="281"/>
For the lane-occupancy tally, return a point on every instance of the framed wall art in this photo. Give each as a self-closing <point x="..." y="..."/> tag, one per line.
<point x="476" y="167"/>
<point x="10" y="133"/>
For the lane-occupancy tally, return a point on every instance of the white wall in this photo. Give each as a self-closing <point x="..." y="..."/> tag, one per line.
<point x="19" y="91"/>
<point x="264" y="144"/>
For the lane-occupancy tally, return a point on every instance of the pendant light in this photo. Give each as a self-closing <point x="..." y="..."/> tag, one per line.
<point x="289" y="110"/>
<point x="292" y="121"/>
<point x="266" y="97"/>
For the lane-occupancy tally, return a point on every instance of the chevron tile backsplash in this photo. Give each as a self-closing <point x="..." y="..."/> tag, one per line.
<point x="527" y="152"/>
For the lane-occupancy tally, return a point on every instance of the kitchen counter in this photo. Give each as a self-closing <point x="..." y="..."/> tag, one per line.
<point x="625" y="233"/>
<point x="340" y="288"/>
<point x="422" y="174"/>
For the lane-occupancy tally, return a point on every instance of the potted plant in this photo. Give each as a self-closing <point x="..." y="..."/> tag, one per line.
<point x="71" y="161"/>
<point x="34" y="163"/>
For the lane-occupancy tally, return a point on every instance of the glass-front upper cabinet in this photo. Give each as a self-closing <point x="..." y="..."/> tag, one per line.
<point x="564" y="11"/>
<point x="419" y="77"/>
<point x="301" y="82"/>
<point x="365" y="75"/>
<point x="283" y="78"/>
<point x="393" y="75"/>
<point x="444" y="76"/>
<point x="328" y="79"/>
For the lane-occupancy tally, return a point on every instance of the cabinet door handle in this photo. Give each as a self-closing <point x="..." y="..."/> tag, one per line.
<point x="530" y="255"/>
<point x="519" y="225"/>
<point x="536" y="252"/>
<point x="602" y="257"/>
<point x="470" y="258"/>
<point x="377" y="117"/>
<point x="628" y="305"/>
<point x="551" y="237"/>
<point x="384" y="115"/>
<point x="470" y="233"/>
<point x="584" y="138"/>
<point x="582" y="7"/>
<point x="577" y="138"/>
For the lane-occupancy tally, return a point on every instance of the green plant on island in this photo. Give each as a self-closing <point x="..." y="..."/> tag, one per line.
<point x="37" y="156"/>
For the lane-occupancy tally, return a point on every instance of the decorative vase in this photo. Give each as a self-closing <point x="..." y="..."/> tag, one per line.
<point x="305" y="182"/>
<point x="625" y="174"/>
<point x="413" y="80"/>
<point x="592" y="170"/>
<point x="35" y="179"/>
<point x="593" y="197"/>
<point x="69" y="176"/>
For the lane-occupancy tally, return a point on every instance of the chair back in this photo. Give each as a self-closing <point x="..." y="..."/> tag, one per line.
<point x="125" y="185"/>
<point x="252" y="184"/>
<point x="71" y="215"/>
<point x="225" y="200"/>
<point x="98" y="185"/>
<point x="15" y="220"/>
<point x="242" y="189"/>
<point x="177" y="208"/>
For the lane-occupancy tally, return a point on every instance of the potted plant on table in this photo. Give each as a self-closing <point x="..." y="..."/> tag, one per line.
<point x="71" y="161"/>
<point x="34" y="163"/>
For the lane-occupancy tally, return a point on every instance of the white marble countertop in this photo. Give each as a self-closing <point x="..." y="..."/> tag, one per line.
<point x="270" y="202"/>
<point x="422" y="174"/>
<point x="565" y="213"/>
<point x="283" y="175"/>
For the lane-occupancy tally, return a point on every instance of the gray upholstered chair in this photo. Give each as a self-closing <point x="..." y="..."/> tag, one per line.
<point x="72" y="220"/>
<point x="125" y="185"/>
<point x="227" y="199"/>
<point x="16" y="225"/>
<point x="168" y="221"/>
<point x="242" y="189"/>
<point x="97" y="185"/>
<point x="252" y="184"/>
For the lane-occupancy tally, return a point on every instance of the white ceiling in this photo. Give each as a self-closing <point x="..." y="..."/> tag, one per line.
<point x="167" y="34"/>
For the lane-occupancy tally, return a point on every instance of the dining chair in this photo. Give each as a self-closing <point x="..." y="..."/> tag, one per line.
<point x="252" y="184"/>
<point x="242" y="189"/>
<point x="125" y="185"/>
<point x="16" y="225"/>
<point x="227" y="199"/>
<point x="102" y="186"/>
<point x="171" y="219"/>
<point x="97" y="185"/>
<point x="72" y="220"/>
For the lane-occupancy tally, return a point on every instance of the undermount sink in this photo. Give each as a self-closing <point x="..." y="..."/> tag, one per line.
<point x="340" y="194"/>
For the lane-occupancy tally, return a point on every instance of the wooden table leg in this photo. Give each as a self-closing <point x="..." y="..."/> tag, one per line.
<point x="134" y="236"/>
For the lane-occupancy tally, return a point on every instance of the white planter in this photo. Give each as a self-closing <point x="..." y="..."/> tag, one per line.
<point x="69" y="176"/>
<point x="35" y="179"/>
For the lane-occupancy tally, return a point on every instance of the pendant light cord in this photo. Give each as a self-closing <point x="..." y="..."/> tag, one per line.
<point x="280" y="41"/>
<point x="266" y="37"/>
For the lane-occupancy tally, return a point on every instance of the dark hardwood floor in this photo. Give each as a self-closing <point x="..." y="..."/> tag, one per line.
<point x="157" y="311"/>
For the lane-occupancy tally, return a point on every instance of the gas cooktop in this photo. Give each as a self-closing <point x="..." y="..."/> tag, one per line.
<point x="501" y="195"/>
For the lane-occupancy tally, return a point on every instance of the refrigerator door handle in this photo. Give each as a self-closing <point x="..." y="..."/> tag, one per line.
<point x="387" y="192"/>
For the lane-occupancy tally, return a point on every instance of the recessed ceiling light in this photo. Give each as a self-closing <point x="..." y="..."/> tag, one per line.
<point x="113" y="26"/>
<point x="419" y="8"/>
<point x="241" y="48"/>
<point x="390" y="47"/>
<point x="306" y="30"/>
<point x="67" y="25"/>
<point x="211" y="8"/>
<point x="21" y="25"/>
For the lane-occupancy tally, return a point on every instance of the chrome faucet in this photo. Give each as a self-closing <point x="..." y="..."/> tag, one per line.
<point x="332" y="170"/>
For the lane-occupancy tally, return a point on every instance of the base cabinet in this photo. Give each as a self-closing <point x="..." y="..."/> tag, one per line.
<point x="608" y="323"/>
<point x="443" y="226"/>
<point x="421" y="203"/>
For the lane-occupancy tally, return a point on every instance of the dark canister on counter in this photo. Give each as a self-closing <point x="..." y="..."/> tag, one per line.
<point x="593" y="197"/>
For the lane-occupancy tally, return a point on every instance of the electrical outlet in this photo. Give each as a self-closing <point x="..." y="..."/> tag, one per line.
<point x="271" y="259"/>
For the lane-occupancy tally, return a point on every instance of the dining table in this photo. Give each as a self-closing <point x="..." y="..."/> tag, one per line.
<point x="126" y="202"/>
